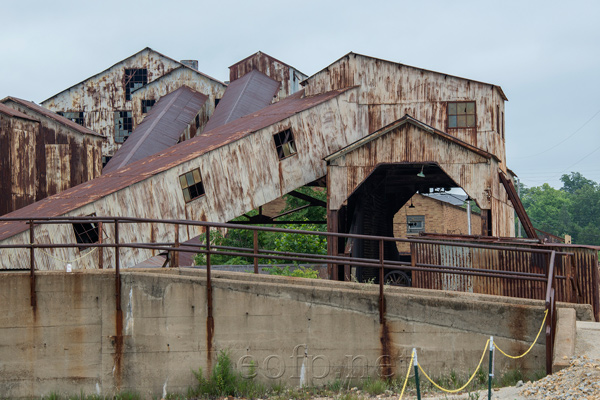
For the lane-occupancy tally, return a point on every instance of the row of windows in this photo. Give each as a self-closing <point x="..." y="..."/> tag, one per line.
<point x="75" y="116"/>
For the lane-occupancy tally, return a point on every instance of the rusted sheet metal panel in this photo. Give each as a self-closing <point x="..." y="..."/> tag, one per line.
<point x="585" y="265"/>
<point x="240" y="170"/>
<point x="289" y="77"/>
<point x="250" y="93"/>
<point x="99" y="96"/>
<point x="164" y="126"/>
<point x="391" y="90"/>
<point x="172" y="81"/>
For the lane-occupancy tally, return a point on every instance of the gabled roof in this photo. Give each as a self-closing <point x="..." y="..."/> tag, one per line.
<point x="243" y="96"/>
<point x="161" y="128"/>
<point x="405" y="65"/>
<point x="125" y="59"/>
<point x="174" y="70"/>
<point x="258" y="53"/>
<point x="11" y="112"/>
<point x="37" y="109"/>
<point x="407" y="119"/>
<point x="88" y="192"/>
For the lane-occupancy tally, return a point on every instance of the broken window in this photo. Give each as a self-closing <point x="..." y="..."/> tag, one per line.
<point x="191" y="184"/>
<point x="86" y="232"/>
<point x="75" y="116"/>
<point x="284" y="143"/>
<point x="147" y="105"/>
<point x="105" y="160"/>
<point x="461" y="114"/>
<point x="415" y="224"/>
<point x="123" y="125"/>
<point x="217" y="102"/>
<point x="135" y="78"/>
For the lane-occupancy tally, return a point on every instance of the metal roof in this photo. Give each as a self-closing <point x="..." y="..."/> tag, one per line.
<point x="131" y="56"/>
<point x="37" y="109"/>
<point x="88" y="192"/>
<point x="250" y="93"/>
<point x="405" y="65"/>
<point x="404" y="120"/>
<point x="451" y="198"/>
<point x="4" y="109"/>
<point x="161" y="128"/>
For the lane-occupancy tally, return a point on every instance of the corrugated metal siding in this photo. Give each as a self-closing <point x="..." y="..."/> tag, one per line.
<point x="585" y="265"/>
<point x="289" y="77"/>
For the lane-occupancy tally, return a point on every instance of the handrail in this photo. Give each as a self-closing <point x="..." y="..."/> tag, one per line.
<point x="551" y="310"/>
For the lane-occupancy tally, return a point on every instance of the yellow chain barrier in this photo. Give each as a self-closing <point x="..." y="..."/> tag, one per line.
<point x="412" y="357"/>
<point x="69" y="261"/>
<point x="485" y="349"/>
<point x="532" y="344"/>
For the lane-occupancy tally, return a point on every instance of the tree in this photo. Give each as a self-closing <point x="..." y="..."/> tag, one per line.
<point x="574" y="182"/>
<point x="548" y="209"/>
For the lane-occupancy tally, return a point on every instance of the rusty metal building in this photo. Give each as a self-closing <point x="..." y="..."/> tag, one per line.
<point x="42" y="153"/>
<point x="279" y="71"/>
<point x="105" y="102"/>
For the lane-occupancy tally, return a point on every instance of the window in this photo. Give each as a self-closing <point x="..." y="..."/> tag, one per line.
<point x="461" y="114"/>
<point x="86" y="232"/>
<point x="415" y="224"/>
<point x="284" y="143"/>
<point x="105" y="160"/>
<point x="76" y="116"/>
<point x="197" y="121"/>
<point x="217" y="102"/>
<point x="135" y="78"/>
<point x="147" y="105"/>
<point x="123" y="125"/>
<point x="191" y="184"/>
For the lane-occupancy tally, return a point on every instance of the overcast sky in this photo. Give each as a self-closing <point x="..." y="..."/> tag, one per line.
<point x="544" y="54"/>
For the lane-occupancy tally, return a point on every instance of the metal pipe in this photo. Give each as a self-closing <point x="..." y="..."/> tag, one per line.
<point x="32" y="293"/>
<point x="469" y="214"/>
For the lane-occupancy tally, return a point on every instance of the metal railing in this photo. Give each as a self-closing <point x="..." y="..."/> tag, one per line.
<point x="207" y="248"/>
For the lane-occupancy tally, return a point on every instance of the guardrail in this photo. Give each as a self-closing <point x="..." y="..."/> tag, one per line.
<point x="207" y="248"/>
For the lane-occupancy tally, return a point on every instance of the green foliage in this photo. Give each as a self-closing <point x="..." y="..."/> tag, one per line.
<point x="375" y="386"/>
<point x="572" y="210"/>
<point x="285" y="242"/>
<point x="299" y="272"/>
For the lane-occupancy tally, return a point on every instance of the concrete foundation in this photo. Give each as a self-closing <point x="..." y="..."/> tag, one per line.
<point x="296" y="331"/>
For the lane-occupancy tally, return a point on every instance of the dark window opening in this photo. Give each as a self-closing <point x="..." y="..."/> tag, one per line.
<point x="86" y="232"/>
<point x="197" y="121"/>
<point x="135" y="78"/>
<point x="415" y="224"/>
<point x="497" y="119"/>
<point x="217" y="102"/>
<point x="284" y="143"/>
<point x="105" y="160"/>
<point x="147" y="105"/>
<point x="461" y="114"/>
<point x="191" y="185"/>
<point x="123" y="125"/>
<point x="502" y="124"/>
<point x="76" y="116"/>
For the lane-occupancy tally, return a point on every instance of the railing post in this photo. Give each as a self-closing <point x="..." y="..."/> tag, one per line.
<point x="381" y="274"/>
<point x="255" y="244"/>
<point x="550" y="309"/>
<point x="100" y="249"/>
<point x="210" y="323"/>
<point x="174" y="260"/>
<point x="32" y="267"/>
<point x="119" y="311"/>
<point x="416" y="366"/>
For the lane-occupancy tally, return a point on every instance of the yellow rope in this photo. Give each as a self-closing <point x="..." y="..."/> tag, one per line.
<point x="69" y="261"/>
<point x="468" y="382"/>
<point x="532" y="344"/>
<point x="412" y="357"/>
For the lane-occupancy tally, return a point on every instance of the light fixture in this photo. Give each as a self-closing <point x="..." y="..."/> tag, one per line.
<point x="421" y="174"/>
<point x="411" y="204"/>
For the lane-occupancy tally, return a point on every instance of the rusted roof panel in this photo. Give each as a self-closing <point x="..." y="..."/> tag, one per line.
<point x="135" y="172"/>
<point x="161" y="129"/>
<point x="252" y="92"/>
<point x="11" y="112"/>
<point x="268" y="56"/>
<point x="52" y="115"/>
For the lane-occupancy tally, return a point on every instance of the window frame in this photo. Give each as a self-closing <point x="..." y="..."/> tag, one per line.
<point x="132" y="77"/>
<point x="82" y="230"/>
<point x="415" y="219"/>
<point x="288" y="142"/>
<point x="448" y="115"/>
<point x="145" y="105"/>
<point x="122" y="127"/>
<point x="197" y="185"/>
<point x="79" y="119"/>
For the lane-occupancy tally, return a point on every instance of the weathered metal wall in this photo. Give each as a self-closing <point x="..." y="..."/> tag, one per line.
<point x="238" y="177"/>
<point x="101" y="95"/>
<point x="289" y="77"/>
<point x="17" y="162"/>
<point x="476" y="174"/>
<point x="585" y="266"/>
<point x="172" y="81"/>
<point x="390" y="90"/>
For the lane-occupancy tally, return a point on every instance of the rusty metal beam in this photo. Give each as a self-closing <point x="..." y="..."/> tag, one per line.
<point x="516" y="201"/>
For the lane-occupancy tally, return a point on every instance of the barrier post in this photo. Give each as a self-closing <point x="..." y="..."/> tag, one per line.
<point x="491" y="368"/>
<point x="416" y="364"/>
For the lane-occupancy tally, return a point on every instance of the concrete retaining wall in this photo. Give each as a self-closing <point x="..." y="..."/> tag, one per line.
<point x="293" y="330"/>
